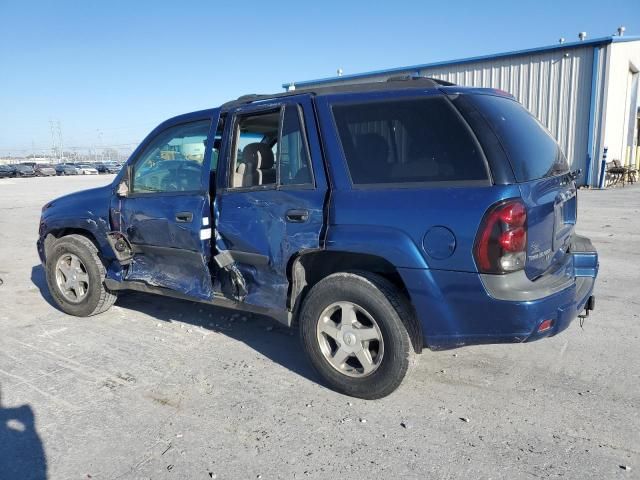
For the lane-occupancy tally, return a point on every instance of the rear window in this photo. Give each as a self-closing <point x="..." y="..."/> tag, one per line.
<point x="531" y="149"/>
<point x="408" y="141"/>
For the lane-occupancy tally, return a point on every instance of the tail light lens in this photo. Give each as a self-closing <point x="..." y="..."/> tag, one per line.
<point x="501" y="243"/>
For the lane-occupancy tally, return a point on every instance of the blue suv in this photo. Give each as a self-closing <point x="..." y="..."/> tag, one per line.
<point x="379" y="218"/>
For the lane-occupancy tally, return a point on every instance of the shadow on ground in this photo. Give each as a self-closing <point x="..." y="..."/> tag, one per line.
<point x="39" y="279"/>
<point x="276" y="342"/>
<point x="21" y="451"/>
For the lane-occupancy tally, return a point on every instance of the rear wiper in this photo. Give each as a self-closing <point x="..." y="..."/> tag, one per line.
<point x="574" y="174"/>
<point x="570" y="176"/>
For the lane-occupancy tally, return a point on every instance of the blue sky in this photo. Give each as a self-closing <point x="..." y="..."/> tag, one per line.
<point x="110" y="71"/>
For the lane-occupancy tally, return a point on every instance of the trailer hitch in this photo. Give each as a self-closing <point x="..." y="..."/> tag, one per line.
<point x="588" y="307"/>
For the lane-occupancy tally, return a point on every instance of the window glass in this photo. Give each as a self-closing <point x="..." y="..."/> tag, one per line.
<point x="255" y="150"/>
<point x="532" y="150"/>
<point x="173" y="160"/>
<point x="407" y="141"/>
<point x="294" y="155"/>
<point x="217" y="142"/>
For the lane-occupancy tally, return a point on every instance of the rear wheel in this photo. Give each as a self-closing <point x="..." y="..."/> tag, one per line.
<point x="75" y="276"/>
<point x="352" y="331"/>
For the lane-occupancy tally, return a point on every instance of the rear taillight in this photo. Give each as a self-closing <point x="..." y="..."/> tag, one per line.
<point x="501" y="244"/>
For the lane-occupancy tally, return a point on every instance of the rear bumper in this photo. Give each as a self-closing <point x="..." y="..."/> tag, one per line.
<point x="459" y="308"/>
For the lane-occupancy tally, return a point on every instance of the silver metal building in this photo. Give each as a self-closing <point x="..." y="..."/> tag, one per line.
<point x="585" y="92"/>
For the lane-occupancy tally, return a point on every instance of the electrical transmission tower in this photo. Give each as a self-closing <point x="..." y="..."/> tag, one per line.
<point x="57" y="147"/>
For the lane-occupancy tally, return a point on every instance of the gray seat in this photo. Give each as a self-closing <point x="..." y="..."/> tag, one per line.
<point x="257" y="167"/>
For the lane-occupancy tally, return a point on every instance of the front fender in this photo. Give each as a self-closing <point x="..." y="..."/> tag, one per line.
<point x="85" y="212"/>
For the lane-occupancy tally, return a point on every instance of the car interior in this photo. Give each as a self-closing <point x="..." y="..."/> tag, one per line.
<point x="255" y="149"/>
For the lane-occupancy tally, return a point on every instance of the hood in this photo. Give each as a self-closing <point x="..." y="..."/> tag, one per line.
<point x="82" y="204"/>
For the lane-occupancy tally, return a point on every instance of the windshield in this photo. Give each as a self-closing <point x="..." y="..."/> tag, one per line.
<point x="532" y="150"/>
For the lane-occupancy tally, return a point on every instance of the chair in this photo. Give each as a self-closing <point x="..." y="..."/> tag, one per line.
<point x="632" y="173"/>
<point x="615" y="174"/>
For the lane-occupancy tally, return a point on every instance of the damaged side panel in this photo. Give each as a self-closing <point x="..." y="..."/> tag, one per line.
<point x="262" y="227"/>
<point x="252" y="227"/>
<point x="166" y="253"/>
<point x="89" y="217"/>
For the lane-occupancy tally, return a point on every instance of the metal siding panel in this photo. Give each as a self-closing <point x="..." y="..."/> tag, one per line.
<point x="554" y="86"/>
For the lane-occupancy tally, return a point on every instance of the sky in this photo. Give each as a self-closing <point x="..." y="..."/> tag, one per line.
<point x="110" y="71"/>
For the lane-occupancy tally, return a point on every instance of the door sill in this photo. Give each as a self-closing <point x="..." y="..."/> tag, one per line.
<point x="218" y="300"/>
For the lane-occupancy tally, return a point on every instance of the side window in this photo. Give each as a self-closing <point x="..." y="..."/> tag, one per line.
<point x="268" y="141"/>
<point x="407" y="141"/>
<point x="254" y="150"/>
<point x="217" y="142"/>
<point x="172" y="162"/>
<point x="294" y="155"/>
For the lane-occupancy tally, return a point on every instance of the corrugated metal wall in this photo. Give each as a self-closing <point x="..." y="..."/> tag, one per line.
<point x="555" y="86"/>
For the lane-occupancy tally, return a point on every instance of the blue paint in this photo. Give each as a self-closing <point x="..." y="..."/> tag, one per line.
<point x="426" y="232"/>
<point x="439" y="242"/>
<point x="454" y="310"/>
<point x="255" y="221"/>
<point x="546" y="238"/>
<point x="603" y="168"/>
<point x="595" y="70"/>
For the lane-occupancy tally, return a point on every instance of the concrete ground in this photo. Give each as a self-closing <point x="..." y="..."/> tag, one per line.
<point x="160" y="388"/>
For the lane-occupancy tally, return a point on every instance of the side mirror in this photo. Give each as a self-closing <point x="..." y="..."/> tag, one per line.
<point x="123" y="189"/>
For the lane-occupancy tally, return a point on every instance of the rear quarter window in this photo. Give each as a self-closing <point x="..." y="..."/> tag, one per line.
<point x="404" y="141"/>
<point x="532" y="151"/>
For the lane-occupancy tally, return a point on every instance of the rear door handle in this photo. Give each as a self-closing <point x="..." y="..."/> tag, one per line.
<point x="184" y="217"/>
<point x="297" y="215"/>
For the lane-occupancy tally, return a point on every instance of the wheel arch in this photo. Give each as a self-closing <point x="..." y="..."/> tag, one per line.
<point x="307" y="269"/>
<point x="55" y="233"/>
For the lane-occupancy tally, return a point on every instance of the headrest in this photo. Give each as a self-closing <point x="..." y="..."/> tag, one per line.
<point x="258" y="155"/>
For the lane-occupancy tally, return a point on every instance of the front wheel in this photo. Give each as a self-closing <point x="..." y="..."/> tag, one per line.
<point x="75" y="276"/>
<point x="352" y="331"/>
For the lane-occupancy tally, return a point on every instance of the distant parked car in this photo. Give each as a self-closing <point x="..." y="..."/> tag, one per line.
<point x="108" y="167"/>
<point x="24" y="171"/>
<point x="44" y="171"/>
<point x="7" y="171"/>
<point x="64" y="169"/>
<point x="86" y="169"/>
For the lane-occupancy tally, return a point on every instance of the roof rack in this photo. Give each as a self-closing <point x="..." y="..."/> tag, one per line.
<point x="415" y="77"/>
<point x="396" y="82"/>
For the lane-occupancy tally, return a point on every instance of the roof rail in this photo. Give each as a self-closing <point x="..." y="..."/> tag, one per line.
<point x="248" y="97"/>
<point x="414" y="77"/>
<point x="410" y="81"/>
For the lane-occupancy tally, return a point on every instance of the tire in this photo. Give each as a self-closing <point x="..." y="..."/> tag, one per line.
<point x="96" y="298"/>
<point x="377" y="303"/>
